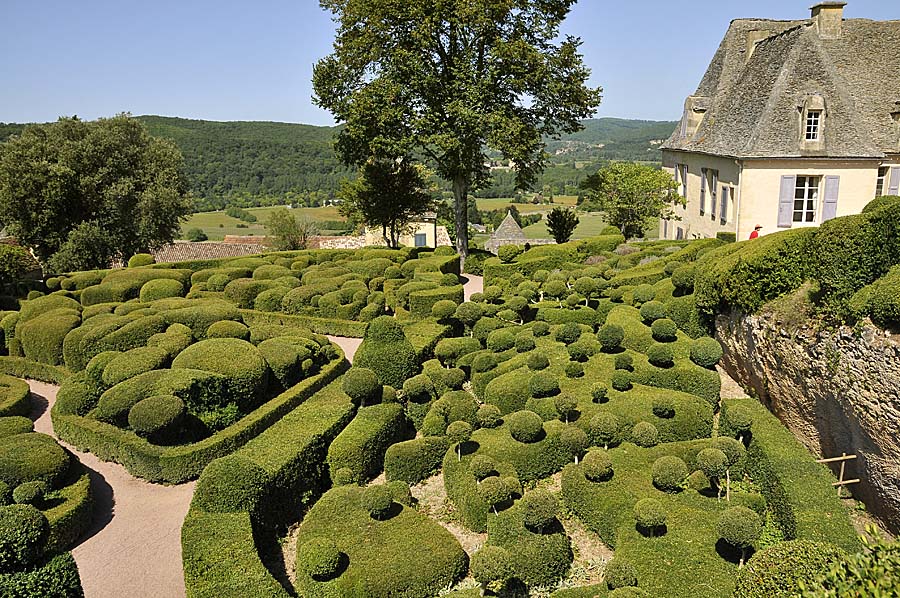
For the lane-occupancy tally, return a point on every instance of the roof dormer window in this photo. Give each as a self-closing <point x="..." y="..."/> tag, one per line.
<point x="813" y="124"/>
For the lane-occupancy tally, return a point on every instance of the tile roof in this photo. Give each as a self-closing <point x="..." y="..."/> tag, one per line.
<point x="753" y="106"/>
<point x="181" y="251"/>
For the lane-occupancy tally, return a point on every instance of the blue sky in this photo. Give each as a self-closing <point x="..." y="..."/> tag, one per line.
<point x="247" y="60"/>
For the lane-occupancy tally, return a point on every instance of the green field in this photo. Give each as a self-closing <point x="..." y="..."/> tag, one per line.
<point x="501" y="203"/>
<point x="218" y="224"/>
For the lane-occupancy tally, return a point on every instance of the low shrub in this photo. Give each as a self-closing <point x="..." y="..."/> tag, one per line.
<point x="161" y="289"/>
<point x="650" y="514"/>
<point x="489" y="416"/>
<point x="30" y="493"/>
<point x="524" y="343"/>
<point x="597" y="466"/>
<point x="230" y="484"/>
<point x="362" y="386"/>
<point x="157" y="418"/>
<point x="414" y="460"/>
<point x="669" y="473"/>
<point x="361" y="446"/>
<point x="660" y="355"/>
<point x="23" y="531"/>
<point x="537" y="361"/>
<point x="619" y="573"/>
<point x="611" y="337"/>
<point x="645" y="434"/>
<point x="228" y="329"/>
<point x="779" y="570"/>
<point x="653" y="311"/>
<point x="574" y="370"/>
<point x="320" y="558"/>
<point x="543" y="384"/>
<point x="509" y="391"/>
<point x="739" y="527"/>
<point x="683" y="279"/>
<point x="124" y="366"/>
<point x="706" y="352"/>
<point x="568" y="333"/>
<point x="599" y="393"/>
<point x="621" y="380"/>
<point x="663" y="407"/>
<point x="32" y="457"/>
<point x="386" y="351"/>
<point x="499" y="341"/>
<point x="525" y="426"/>
<point x="56" y="577"/>
<point x="664" y="330"/>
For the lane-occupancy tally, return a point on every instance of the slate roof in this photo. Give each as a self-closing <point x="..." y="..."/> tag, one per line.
<point x="754" y="106"/>
<point x="509" y="230"/>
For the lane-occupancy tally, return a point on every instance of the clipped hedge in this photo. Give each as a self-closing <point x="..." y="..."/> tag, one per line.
<point x="415" y="460"/>
<point x="386" y="351"/>
<point x="362" y="445"/>
<point x="14" y="397"/>
<point x="421" y="302"/>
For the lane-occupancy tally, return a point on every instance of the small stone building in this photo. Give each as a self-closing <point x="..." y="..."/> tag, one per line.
<point x="510" y="233"/>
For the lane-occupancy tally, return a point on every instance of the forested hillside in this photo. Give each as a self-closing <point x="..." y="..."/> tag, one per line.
<point x="267" y="163"/>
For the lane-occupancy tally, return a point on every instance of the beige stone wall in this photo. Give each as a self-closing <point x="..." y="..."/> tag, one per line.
<point x="836" y="390"/>
<point x="761" y="184"/>
<point x="693" y="223"/>
<point x="408" y="238"/>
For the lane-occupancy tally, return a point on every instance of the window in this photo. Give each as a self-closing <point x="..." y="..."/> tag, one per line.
<point x="702" y="191"/>
<point x="665" y="234"/>
<point x="713" y="192"/>
<point x="684" y="180"/>
<point x="420" y="240"/>
<point x="806" y="198"/>
<point x="813" y="124"/>
<point x="882" y="179"/>
<point x="679" y="234"/>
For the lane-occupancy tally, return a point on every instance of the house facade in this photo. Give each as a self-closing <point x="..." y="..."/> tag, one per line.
<point x="794" y="123"/>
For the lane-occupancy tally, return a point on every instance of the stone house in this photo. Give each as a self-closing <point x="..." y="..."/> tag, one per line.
<point x="421" y="231"/>
<point x="794" y="123"/>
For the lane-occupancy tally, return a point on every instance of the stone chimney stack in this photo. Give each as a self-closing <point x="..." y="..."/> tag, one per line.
<point x="828" y="17"/>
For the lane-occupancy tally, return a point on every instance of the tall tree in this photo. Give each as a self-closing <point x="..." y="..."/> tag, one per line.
<point x="110" y="173"/>
<point x="388" y="194"/>
<point x="288" y="231"/>
<point x="633" y="196"/>
<point x="449" y="78"/>
<point x="561" y="223"/>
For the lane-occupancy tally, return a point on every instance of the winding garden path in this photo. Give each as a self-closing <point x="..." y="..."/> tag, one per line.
<point x="133" y="548"/>
<point x="474" y="284"/>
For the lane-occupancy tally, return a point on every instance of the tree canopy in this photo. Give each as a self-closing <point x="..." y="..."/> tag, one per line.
<point x="388" y="194"/>
<point x="633" y="196"/>
<point x="288" y="231"/>
<point x="121" y="189"/>
<point x="446" y="80"/>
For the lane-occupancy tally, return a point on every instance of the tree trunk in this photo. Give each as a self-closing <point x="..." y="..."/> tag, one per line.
<point x="458" y="452"/>
<point x="743" y="556"/>
<point x="461" y="204"/>
<point x="384" y="235"/>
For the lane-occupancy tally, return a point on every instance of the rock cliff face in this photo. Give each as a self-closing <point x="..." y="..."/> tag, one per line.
<point x="836" y="390"/>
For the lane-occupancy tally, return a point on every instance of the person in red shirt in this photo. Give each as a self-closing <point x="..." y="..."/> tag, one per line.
<point x="755" y="232"/>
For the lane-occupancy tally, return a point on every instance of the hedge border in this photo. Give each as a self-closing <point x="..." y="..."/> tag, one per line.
<point x="328" y="326"/>
<point x="178" y="464"/>
<point x="20" y="367"/>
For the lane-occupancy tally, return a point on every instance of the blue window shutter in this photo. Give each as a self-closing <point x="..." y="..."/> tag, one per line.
<point x="832" y="188"/>
<point x="702" y="191"/>
<point x="786" y="201"/>
<point x="894" y="188"/>
<point x="723" y="211"/>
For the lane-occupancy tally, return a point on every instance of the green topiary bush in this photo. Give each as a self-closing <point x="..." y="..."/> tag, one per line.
<point x="740" y="527"/>
<point x="524" y="343"/>
<point x="597" y="466"/>
<point x="508" y="253"/>
<point x="645" y="434"/>
<point x="56" y="577"/>
<point x="664" y="330"/>
<point x="619" y="573"/>
<point x="499" y="341"/>
<point x="32" y="457"/>
<point x="706" y="352"/>
<point x="362" y="386"/>
<point x="539" y="509"/>
<point x="125" y="366"/>
<point x="780" y="569"/>
<point x="599" y="393"/>
<point x="574" y="370"/>
<point x="141" y="259"/>
<point x="650" y="515"/>
<point x="643" y="293"/>
<point x="539" y="329"/>
<point x="30" y="493"/>
<point x="603" y="429"/>
<point x="660" y="355"/>
<point x="242" y="365"/>
<point x="377" y="500"/>
<point x="543" y="384"/>
<point x="414" y="460"/>
<point x="492" y="567"/>
<point x="319" y="558"/>
<point x="683" y="279"/>
<point x="489" y="416"/>
<point x="568" y="333"/>
<point x="23" y="532"/>
<point x="158" y="418"/>
<point x="624" y="362"/>
<point x="386" y="351"/>
<point x="621" y="381"/>
<point x="537" y="361"/>
<point x="161" y="288"/>
<point x="230" y="484"/>
<point x="664" y="407"/>
<point x="669" y="473"/>
<point x="525" y="426"/>
<point x="228" y="329"/>
<point x="653" y="311"/>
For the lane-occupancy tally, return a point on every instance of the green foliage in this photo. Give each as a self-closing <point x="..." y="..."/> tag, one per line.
<point x="386" y="351"/>
<point x="14" y="397"/>
<point x="539" y="509"/>
<point x="508" y="253"/>
<point x="56" y="577"/>
<point x="415" y="460"/>
<point x="568" y="333"/>
<point x="537" y="361"/>
<point x="362" y="385"/>
<point x="740" y="527"/>
<point x="611" y="337"/>
<point x="23" y="531"/>
<point x="321" y="558"/>
<point x="109" y="174"/>
<point x="653" y="311"/>
<point x="491" y="567"/>
<point x="361" y="446"/>
<point x="15" y="262"/>
<point x="649" y="514"/>
<point x="663" y="407"/>
<point x="621" y="380"/>
<point x="633" y="195"/>
<point x="377" y="501"/>
<point x="196" y="235"/>
<point x="561" y="223"/>
<point x="779" y="569"/>
<point x="543" y="384"/>
<point x="660" y="355"/>
<point x="669" y="473"/>
<point x="683" y="279"/>
<point x="880" y="300"/>
<point x="288" y="231"/>
<point x="706" y="352"/>
<point x="869" y="573"/>
<point x="597" y="466"/>
<point x="161" y="289"/>
<point x="157" y="418"/>
<point x="241" y="364"/>
<point x="229" y="485"/>
<point x="525" y="426"/>
<point x="645" y="434"/>
<point x="619" y="573"/>
<point x="489" y="416"/>
<point x="664" y="330"/>
<point x="574" y="370"/>
<point x="30" y="493"/>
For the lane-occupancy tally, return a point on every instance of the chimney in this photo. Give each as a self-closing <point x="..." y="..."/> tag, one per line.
<point x="828" y="17"/>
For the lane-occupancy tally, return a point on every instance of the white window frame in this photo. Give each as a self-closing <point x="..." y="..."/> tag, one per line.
<point x="813" y="128"/>
<point x="807" y="197"/>
<point x="881" y="181"/>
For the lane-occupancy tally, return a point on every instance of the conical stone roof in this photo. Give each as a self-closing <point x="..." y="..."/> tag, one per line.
<point x="509" y="230"/>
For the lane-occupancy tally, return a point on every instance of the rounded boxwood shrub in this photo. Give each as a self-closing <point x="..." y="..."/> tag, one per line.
<point x="621" y="381"/>
<point x="619" y="573"/>
<point x="242" y="365"/>
<point x="32" y="456"/>
<point x="228" y="329"/>
<point x="362" y="386"/>
<point x="230" y="484"/>
<point x="649" y="515"/>
<point x="740" y="527"/>
<point x="141" y="259"/>
<point x="508" y="253"/>
<point x="683" y="279"/>
<point x="713" y="462"/>
<point x="660" y="355"/>
<point x="217" y="282"/>
<point x="344" y="476"/>
<point x="15" y="424"/>
<point x="537" y="361"/>
<point x="489" y="416"/>
<point x="543" y="384"/>
<point x="482" y="466"/>
<point x="161" y="288"/>
<point x="597" y="466"/>
<point x="739" y="419"/>
<point x="568" y="333"/>
<point x="664" y="330"/>
<point x="23" y="533"/>
<point x="525" y="426"/>
<point x="484" y="363"/>
<point x="524" y="342"/>
<point x="386" y="351"/>
<point x="540" y="329"/>
<point x="125" y="366"/>
<point x="574" y="370"/>
<point x="319" y="558"/>
<point x="698" y="481"/>
<point x="611" y="337"/>
<point x="377" y="501"/>
<point x="625" y="362"/>
<point x="582" y="349"/>
<point x="499" y="341"/>
<point x="706" y="352"/>
<point x="539" y="509"/>
<point x="643" y="293"/>
<point x="30" y="493"/>
<point x="669" y="473"/>
<point x="645" y="434"/>
<point x="443" y="309"/>
<point x="599" y="393"/>
<point x="778" y="570"/>
<point x="664" y="407"/>
<point x="653" y="311"/>
<point x="604" y="428"/>
<point x="158" y="417"/>
<point x="491" y="566"/>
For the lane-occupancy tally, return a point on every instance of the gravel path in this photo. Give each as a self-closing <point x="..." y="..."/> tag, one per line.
<point x="133" y="548"/>
<point x="474" y="284"/>
<point x="348" y="345"/>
